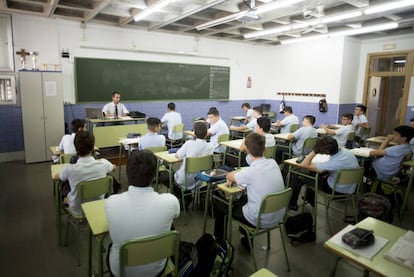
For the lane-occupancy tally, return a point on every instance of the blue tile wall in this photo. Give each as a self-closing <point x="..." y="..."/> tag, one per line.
<point x="11" y="129"/>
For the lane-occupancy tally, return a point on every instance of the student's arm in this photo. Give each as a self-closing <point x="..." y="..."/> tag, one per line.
<point x="381" y="150"/>
<point x="365" y="125"/>
<point x="230" y="176"/>
<point x="243" y="147"/>
<point x="277" y="123"/>
<point x="238" y="128"/>
<point x="56" y="176"/>
<point x="125" y="110"/>
<point x="328" y="130"/>
<point x="291" y="137"/>
<point x="307" y="162"/>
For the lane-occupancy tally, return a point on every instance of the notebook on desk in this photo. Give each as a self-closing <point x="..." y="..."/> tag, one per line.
<point x="94" y="113"/>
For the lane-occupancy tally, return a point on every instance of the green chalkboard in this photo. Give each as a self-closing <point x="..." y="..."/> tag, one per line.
<point x="96" y="79"/>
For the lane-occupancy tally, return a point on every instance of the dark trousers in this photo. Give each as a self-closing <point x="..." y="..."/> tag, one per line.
<point x="220" y="212"/>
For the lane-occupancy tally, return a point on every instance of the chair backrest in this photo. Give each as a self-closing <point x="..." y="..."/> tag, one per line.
<point x="178" y="128"/>
<point x="351" y="136"/>
<point x="94" y="188"/>
<point x="364" y="132"/>
<point x="273" y="202"/>
<point x="293" y="127"/>
<point x="65" y="158"/>
<point x="269" y="152"/>
<point x="308" y="145"/>
<point x="156" y="149"/>
<point x="223" y="137"/>
<point x="196" y="164"/>
<point x="146" y="250"/>
<point x="349" y="177"/>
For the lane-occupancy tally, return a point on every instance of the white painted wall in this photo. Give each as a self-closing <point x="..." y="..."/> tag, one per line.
<point x="402" y="42"/>
<point x="349" y="74"/>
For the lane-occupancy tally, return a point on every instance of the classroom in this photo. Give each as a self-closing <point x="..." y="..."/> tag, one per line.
<point x="336" y="71"/>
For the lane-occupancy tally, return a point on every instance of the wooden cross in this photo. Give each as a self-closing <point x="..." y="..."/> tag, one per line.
<point x="22" y="53"/>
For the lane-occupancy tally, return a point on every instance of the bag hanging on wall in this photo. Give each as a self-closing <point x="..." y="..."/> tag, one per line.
<point x="282" y="105"/>
<point x="323" y="105"/>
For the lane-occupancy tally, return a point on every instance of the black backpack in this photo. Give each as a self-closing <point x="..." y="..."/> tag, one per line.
<point x="375" y="205"/>
<point x="299" y="229"/>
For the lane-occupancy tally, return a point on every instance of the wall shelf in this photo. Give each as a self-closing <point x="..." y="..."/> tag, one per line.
<point x="302" y="94"/>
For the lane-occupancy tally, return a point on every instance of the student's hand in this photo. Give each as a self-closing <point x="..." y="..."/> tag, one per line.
<point x="323" y="126"/>
<point x="56" y="176"/>
<point x="229" y="183"/>
<point x="113" y="167"/>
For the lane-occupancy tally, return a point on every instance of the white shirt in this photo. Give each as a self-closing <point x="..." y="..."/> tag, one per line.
<point x="137" y="213"/>
<point x="85" y="169"/>
<point x="110" y="109"/>
<point x="216" y="129"/>
<point x="287" y="121"/>
<point x="250" y="115"/>
<point x="151" y="140"/>
<point x="172" y="118"/>
<point x="262" y="177"/>
<point x="66" y="144"/>
<point x="341" y="135"/>
<point x="252" y="124"/>
<point x="301" y="135"/>
<point x="191" y="148"/>
<point x="357" y="120"/>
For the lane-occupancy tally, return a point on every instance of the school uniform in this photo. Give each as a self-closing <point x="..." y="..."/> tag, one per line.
<point x="191" y="148"/>
<point x="388" y="166"/>
<point x="249" y="114"/>
<point x="301" y="135"/>
<point x="67" y="144"/>
<point x="252" y="124"/>
<point x="110" y="109"/>
<point x="151" y="140"/>
<point x="216" y="129"/>
<point x="172" y="118"/>
<point x="341" y="134"/>
<point x="359" y="119"/>
<point x="287" y="122"/>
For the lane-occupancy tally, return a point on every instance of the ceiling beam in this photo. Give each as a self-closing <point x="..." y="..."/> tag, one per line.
<point x="97" y="10"/>
<point x="50" y="9"/>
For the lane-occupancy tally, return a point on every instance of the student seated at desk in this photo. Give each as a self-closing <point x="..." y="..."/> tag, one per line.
<point x="299" y="136"/>
<point x="360" y="120"/>
<point x="86" y="168"/>
<point x="286" y="122"/>
<point x="115" y="108"/>
<point x="262" y="128"/>
<point x="139" y="212"/>
<point x="217" y="127"/>
<point x="257" y="112"/>
<point x="170" y="119"/>
<point x="152" y="138"/>
<point x="388" y="165"/>
<point x="340" y="159"/>
<point x="66" y="145"/>
<point x="192" y="148"/>
<point x="249" y="112"/>
<point x="262" y="177"/>
<point x="341" y="134"/>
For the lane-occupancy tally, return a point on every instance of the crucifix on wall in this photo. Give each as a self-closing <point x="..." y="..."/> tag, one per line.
<point x="22" y="53"/>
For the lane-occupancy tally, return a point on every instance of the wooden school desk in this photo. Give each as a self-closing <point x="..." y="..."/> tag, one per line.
<point x="375" y="142"/>
<point x="95" y="214"/>
<point x="170" y="159"/>
<point x="322" y="131"/>
<point x="378" y="265"/>
<point x="129" y="142"/>
<point x="235" y="145"/>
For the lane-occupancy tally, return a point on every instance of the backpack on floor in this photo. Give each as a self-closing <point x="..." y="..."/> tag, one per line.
<point x="299" y="229"/>
<point x="213" y="259"/>
<point x="375" y="205"/>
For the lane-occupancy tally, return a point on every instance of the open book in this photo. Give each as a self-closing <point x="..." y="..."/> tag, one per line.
<point x="402" y="252"/>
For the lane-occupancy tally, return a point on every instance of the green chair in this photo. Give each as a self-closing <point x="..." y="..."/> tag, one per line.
<point x="293" y="128"/>
<point x="65" y="158"/>
<point x="364" y="133"/>
<point x="161" y="167"/>
<point x="269" y="152"/>
<point x="194" y="165"/>
<point x="344" y="177"/>
<point x="308" y="145"/>
<point x="87" y="191"/>
<point x="218" y="158"/>
<point x="173" y="143"/>
<point x="350" y="138"/>
<point x="146" y="250"/>
<point x="271" y="203"/>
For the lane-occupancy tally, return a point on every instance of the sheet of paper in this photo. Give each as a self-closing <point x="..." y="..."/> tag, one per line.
<point x="50" y="88"/>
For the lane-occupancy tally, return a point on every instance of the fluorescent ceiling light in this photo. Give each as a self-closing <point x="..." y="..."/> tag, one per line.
<point x="340" y="16"/>
<point x="363" y="30"/>
<point x="399" y="61"/>
<point x="391" y="5"/>
<point x="308" y="38"/>
<point x="259" y="10"/>
<point x="152" y="9"/>
<point x="271" y="31"/>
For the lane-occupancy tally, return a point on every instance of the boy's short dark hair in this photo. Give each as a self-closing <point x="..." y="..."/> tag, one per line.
<point x="247" y="105"/>
<point x="258" y="109"/>
<point x="255" y="144"/>
<point x="115" y="92"/>
<point x="405" y="131"/>
<point x="349" y="116"/>
<point x="214" y="112"/>
<point x="171" y="106"/>
<point x="84" y="143"/>
<point x="311" y="118"/>
<point x="288" y="109"/>
<point x="153" y="123"/>
<point x="326" y="145"/>
<point x="77" y="124"/>
<point x="200" y="130"/>
<point x="363" y="108"/>
<point x="264" y="123"/>
<point x="141" y="168"/>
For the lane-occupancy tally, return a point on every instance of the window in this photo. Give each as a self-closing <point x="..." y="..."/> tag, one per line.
<point x="6" y="44"/>
<point x="7" y="89"/>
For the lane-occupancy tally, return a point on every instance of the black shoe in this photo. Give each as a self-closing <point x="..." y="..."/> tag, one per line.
<point x="293" y="206"/>
<point x="245" y="243"/>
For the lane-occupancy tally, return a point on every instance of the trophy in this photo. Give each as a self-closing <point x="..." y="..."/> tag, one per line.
<point x="34" y="55"/>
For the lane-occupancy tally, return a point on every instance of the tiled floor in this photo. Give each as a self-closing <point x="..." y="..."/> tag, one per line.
<point x="29" y="241"/>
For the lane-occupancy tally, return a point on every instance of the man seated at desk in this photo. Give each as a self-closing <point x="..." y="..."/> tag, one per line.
<point x="139" y="212"/>
<point x="257" y="112"/>
<point x="115" y="108"/>
<point x="286" y="122"/>
<point x="390" y="157"/>
<point x="340" y="134"/>
<point x="261" y="178"/>
<point x="339" y="159"/>
<point x="217" y="127"/>
<point x="359" y="121"/>
<point x="170" y="119"/>
<point x="152" y="138"/>
<point x="249" y="112"/>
